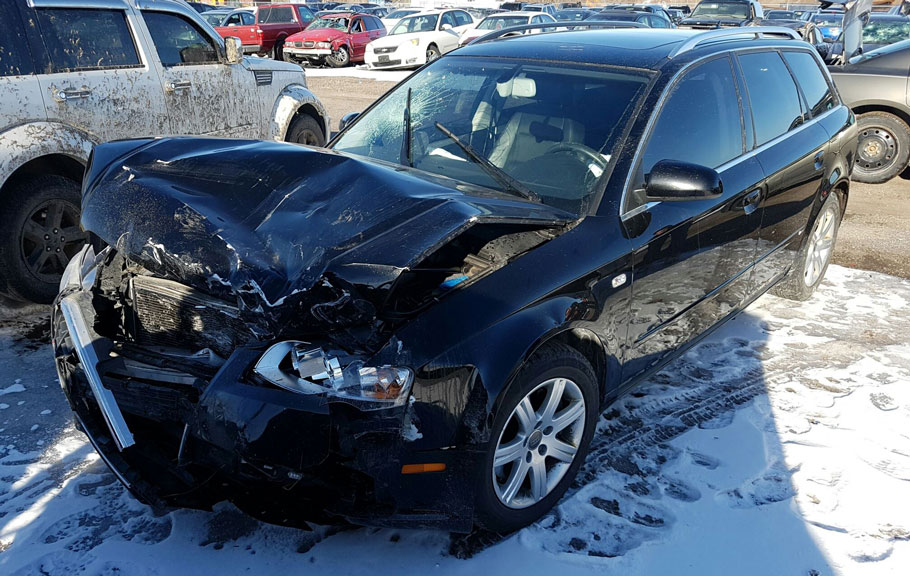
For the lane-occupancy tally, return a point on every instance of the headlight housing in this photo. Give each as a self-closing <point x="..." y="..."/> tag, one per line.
<point x="323" y="44"/>
<point x="299" y="367"/>
<point x="82" y="269"/>
<point x="415" y="41"/>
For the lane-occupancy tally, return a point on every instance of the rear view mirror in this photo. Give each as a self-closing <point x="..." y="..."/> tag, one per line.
<point x="673" y="181"/>
<point x="346" y="120"/>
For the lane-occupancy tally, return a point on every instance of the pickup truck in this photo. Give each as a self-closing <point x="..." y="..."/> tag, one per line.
<point x="143" y="68"/>
<point x="274" y="23"/>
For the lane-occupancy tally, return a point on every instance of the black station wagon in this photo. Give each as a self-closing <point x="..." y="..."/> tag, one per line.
<point x="420" y="325"/>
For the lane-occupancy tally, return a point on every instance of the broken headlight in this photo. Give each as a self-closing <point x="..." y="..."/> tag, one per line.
<point x="298" y="367"/>
<point x="82" y="269"/>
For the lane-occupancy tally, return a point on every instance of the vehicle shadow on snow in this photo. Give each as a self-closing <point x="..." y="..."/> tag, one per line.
<point x="697" y="440"/>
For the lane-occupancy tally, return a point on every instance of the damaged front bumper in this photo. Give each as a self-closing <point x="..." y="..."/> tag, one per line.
<point x="182" y="437"/>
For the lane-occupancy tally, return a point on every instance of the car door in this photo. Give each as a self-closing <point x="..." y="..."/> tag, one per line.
<point x="22" y="97"/>
<point x="94" y="78"/>
<point x="447" y="35"/>
<point x="375" y="29"/>
<point x="359" y="37"/>
<point x="692" y="259"/>
<point x="204" y="94"/>
<point x="791" y="150"/>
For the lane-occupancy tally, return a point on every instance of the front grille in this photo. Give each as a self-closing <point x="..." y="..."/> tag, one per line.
<point x="153" y="401"/>
<point x="385" y="50"/>
<point x="172" y="315"/>
<point x="297" y="44"/>
<point x="387" y="63"/>
<point x="309" y="44"/>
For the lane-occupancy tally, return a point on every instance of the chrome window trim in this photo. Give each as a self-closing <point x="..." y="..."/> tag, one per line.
<point x="625" y="215"/>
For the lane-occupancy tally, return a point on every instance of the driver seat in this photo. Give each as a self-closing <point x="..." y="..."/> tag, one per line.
<point x="534" y="128"/>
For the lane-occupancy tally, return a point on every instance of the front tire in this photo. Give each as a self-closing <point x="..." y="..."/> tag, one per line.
<point x="42" y="234"/>
<point x="278" y="50"/>
<point x="339" y="58"/>
<point x="884" y="147"/>
<point x="306" y="130"/>
<point x="814" y="257"/>
<point x="540" y="437"/>
<point x="432" y="53"/>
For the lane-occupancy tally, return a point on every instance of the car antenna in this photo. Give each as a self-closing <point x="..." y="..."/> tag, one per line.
<point x="406" y="157"/>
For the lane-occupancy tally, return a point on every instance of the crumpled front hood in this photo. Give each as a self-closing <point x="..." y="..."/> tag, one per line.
<point x="269" y="220"/>
<point x="317" y="35"/>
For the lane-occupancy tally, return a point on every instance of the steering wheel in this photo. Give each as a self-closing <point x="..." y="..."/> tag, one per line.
<point x="580" y="151"/>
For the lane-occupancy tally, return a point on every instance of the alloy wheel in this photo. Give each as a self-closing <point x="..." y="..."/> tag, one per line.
<point x="50" y="237"/>
<point x="539" y="442"/>
<point x="821" y="244"/>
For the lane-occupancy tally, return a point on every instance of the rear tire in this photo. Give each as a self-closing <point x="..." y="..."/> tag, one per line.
<point x="278" y="50"/>
<point x="306" y="130"/>
<point x="884" y="147"/>
<point x="505" y="495"/>
<point x="42" y="233"/>
<point x="814" y="257"/>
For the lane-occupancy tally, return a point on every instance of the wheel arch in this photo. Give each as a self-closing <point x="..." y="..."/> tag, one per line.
<point x="42" y="148"/>
<point x="296" y="99"/>
<point x="901" y="113"/>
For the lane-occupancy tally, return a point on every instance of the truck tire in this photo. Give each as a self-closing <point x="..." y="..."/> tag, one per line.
<point x="305" y="129"/>
<point x="42" y="234"/>
<point x="278" y="50"/>
<point x="884" y="147"/>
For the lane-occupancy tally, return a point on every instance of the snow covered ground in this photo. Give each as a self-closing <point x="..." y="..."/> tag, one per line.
<point x="361" y="71"/>
<point x="779" y="446"/>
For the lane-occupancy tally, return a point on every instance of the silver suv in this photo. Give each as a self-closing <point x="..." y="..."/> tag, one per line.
<point x="74" y="73"/>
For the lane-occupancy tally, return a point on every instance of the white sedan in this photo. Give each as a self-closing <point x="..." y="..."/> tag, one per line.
<point x="395" y="16"/>
<point x="502" y="20"/>
<point x="419" y="39"/>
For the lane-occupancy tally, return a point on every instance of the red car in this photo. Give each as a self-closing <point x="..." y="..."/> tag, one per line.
<point x="274" y="23"/>
<point x="335" y="39"/>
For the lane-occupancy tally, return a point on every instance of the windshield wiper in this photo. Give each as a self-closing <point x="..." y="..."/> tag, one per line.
<point x="406" y="156"/>
<point x="509" y="183"/>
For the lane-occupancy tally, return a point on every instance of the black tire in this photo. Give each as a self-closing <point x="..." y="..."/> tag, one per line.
<point x="278" y="50"/>
<point x="306" y="130"/>
<point x="554" y="360"/>
<point x="797" y="285"/>
<point x="42" y="232"/>
<point x="883" y="150"/>
<point x="339" y="58"/>
<point x="432" y="53"/>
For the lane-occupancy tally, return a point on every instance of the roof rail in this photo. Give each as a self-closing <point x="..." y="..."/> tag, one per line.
<point x="743" y="33"/>
<point x="552" y="26"/>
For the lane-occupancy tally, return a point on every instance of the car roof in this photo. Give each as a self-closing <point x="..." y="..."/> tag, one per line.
<point x="888" y="17"/>
<point x="512" y="13"/>
<point x="630" y="47"/>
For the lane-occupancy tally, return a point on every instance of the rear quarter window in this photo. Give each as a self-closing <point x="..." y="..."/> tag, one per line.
<point x="811" y="79"/>
<point x="86" y="39"/>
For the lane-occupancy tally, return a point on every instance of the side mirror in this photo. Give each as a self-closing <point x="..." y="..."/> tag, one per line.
<point x="822" y="50"/>
<point x="673" y="181"/>
<point x="233" y="49"/>
<point x="446" y="27"/>
<point x="346" y="120"/>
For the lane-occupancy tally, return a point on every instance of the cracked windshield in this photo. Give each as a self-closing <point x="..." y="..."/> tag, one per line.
<point x="533" y="130"/>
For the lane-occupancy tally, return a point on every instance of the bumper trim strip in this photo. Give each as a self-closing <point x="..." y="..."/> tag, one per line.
<point x="75" y="323"/>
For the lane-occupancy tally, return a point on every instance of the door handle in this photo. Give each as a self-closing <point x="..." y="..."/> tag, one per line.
<point x="66" y="94"/>
<point x="751" y="201"/>
<point x="175" y="86"/>
<point x="820" y="160"/>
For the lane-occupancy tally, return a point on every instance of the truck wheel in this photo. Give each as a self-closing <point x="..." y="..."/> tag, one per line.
<point x="812" y="261"/>
<point x="306" y="130"/>
<point x="884" y="147"/>
<point x="540" y="436"/>
<point x="43" y="233"/>
<point x="278" y="50"/>
<point x="339" y="58"/>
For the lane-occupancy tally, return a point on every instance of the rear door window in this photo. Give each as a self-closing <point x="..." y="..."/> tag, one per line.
<point x="776" y="107"/>
<point x="815" y="87"/>
<point x="178" y="41"/>
<point x="15" y="58"/>
<point x="86" y="39"/>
